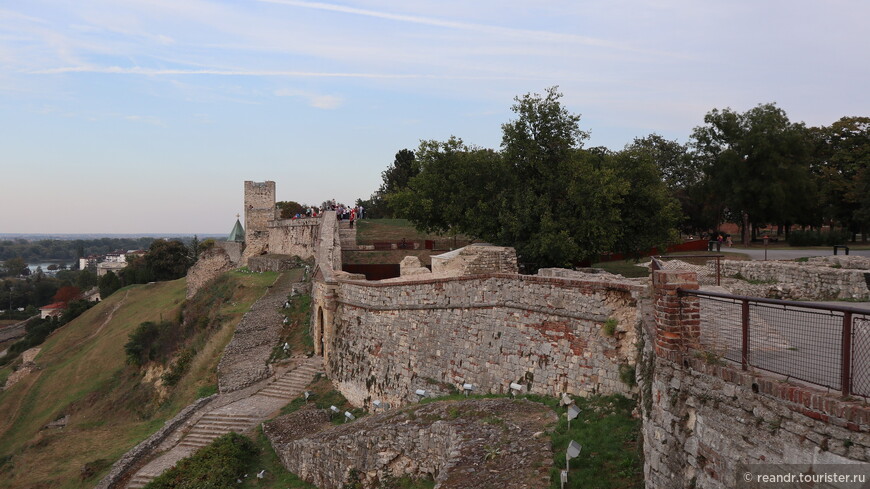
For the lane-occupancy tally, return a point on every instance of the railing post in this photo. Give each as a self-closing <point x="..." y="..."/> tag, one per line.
<point x="846" y="355"/>
<point x="718" y="271"/>
<point x="744" y="320"/>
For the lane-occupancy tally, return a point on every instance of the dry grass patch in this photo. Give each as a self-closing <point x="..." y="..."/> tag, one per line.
<point x="85" y="375"/>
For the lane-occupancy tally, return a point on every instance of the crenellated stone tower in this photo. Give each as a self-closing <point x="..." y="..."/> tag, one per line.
<point x="259" y="211"/>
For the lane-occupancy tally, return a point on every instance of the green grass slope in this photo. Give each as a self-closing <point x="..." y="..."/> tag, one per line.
<point x="112" y="405"/>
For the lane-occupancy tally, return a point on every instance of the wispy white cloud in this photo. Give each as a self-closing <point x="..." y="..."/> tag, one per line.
<point x="316" y="100"/>
<point x="526" y="34"/>
<point x="145" y="119"/>
<point x="118" y="70"/>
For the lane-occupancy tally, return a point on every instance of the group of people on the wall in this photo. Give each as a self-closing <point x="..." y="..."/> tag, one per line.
<point x="342" y="212"/>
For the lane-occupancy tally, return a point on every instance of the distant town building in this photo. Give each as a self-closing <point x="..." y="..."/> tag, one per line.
<point x="110" y="262"/>
<point x="110" y="266"/>
<point x="52" y="310"/>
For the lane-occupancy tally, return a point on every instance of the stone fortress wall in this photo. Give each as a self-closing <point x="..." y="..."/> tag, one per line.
<point x="475" y="320"/>
<point x="703" y="419"/>
<point x="298" y="237"/>
<point x="546" y="334"/>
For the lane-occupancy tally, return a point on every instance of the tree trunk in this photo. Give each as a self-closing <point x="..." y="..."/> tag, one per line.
<point x="746" y="240"/>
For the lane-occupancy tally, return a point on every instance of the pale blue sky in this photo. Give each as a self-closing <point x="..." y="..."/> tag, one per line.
<point x="125" y="116"/>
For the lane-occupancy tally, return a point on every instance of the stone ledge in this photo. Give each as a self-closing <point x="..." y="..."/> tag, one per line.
<point x="534" y="279"/>
<point x="813" y="403"/>
<point x="479" y="305"/>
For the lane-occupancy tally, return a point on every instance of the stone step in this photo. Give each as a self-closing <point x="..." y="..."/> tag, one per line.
<point x="218" y="429"/>
<point x="228" y="422"/>
<point x="201" y="439"/>
<point x="285" y="388"/>
<point x="228" y="417"/>
<point x="140" y="480"/>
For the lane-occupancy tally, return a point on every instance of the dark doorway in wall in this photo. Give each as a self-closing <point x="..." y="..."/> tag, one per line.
<point x="373" y="272"/>
<point x="320" y="328"/>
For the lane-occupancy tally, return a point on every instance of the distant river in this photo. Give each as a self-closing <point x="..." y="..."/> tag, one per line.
<point x="45" y="264"/>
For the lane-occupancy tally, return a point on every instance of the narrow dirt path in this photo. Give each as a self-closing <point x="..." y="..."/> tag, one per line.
<point x="32" y="378"/>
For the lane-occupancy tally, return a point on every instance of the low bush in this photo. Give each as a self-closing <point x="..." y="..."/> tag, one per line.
<point x="151" y="341"/>
<point x="217" y="465"/>
<point x="818" y="238"/>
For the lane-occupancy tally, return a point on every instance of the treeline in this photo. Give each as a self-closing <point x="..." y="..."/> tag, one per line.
<point x="164" y="260"/>
<point x="559" y="203"/>
<point x="59" y="249"/>
<point x="37" y="290"/>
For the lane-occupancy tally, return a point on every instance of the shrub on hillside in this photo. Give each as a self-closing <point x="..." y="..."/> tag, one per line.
<point x="151" y="341"/>
<point x="217" y="465"/>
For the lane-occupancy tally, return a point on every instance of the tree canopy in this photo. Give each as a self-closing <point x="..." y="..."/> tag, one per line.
<point x="555" y="202"/>
<point x="559" y="203"/>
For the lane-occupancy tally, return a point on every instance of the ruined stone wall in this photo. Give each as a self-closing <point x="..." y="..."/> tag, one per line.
<point x="211" y="264"/>
<point x="444" y="441"/>
<point x="390" y="339"/>
<point x="475" y="259"/>
<point x="233" y="249"/>
<point x="703" y="419"/>
<point x="817" y="279"/>
<point x="298" y="237"/>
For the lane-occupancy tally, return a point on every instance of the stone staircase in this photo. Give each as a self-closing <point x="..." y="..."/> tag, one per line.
<point x="347" y="235"/>
<point x="239" y="416"/>
<point x="213" y="425"/>
<point x="291" y="384"/>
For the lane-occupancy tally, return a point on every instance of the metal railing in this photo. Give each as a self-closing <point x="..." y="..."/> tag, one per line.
<point x="708" y="267"/>
<point x="826" y="345"/>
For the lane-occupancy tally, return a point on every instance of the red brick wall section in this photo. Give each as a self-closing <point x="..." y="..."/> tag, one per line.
<point x="677" y="319"/>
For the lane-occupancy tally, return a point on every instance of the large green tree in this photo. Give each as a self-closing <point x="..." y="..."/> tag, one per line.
<point x="758" y="164"/>
<point x="394" y="179"/>
<point x="555" y="202"/>
<point x="842" y="166"/>
<point x="445" y="196"/>
<point x="648" y="211"/>
<point x="684" y="177"/>
<point x="167" y="260"/>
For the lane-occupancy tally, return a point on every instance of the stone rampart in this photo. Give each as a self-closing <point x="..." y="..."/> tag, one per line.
<point x="211" y="264"/>
<point x="547" y="334"/>
<point x="273" y="263"/>
<point x="294" y="237"/>
<point x="704" y="418"/>
<point x="824" y="278"/>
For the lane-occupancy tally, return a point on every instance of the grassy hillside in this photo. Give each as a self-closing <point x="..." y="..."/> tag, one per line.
<point x="112" y="405"/>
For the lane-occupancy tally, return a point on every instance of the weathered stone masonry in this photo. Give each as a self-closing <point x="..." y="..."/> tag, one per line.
<point x="702" y="420"/>
<point x="389" y="339"/>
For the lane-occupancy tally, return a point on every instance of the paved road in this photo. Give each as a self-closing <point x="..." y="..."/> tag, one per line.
<point x="757" y="252"/>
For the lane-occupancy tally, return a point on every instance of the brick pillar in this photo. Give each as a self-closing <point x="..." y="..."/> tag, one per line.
<point x="678" y="321"/>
